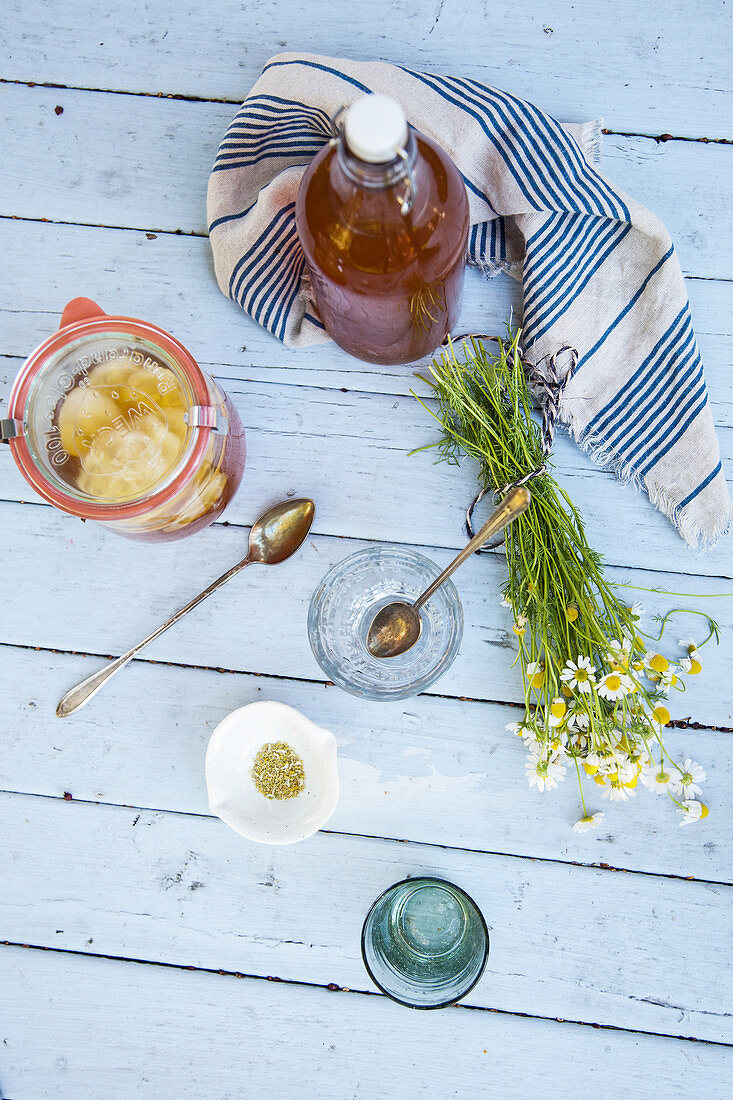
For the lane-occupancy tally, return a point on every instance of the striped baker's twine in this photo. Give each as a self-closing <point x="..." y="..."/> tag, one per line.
<point x="544" y="378"/>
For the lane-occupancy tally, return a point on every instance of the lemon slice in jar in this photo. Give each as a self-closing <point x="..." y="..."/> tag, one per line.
<point x="126" y="433"/>
<point x="83" y="412"/>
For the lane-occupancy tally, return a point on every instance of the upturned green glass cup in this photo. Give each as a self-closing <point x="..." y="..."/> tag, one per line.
<point x="425" y="943"/>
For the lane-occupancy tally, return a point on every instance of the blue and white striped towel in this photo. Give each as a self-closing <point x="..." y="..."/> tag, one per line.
<point x="599" y="271"/>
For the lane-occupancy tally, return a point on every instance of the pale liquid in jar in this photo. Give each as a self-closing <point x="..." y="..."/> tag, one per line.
<point x="119" y="433"/>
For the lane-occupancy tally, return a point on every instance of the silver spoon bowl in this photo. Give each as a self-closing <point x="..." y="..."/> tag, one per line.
<point x="397" y="627"/>
<point x="273" y="538"/>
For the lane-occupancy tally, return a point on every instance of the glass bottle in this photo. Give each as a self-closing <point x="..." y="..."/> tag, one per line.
<point x="382" y="215"/>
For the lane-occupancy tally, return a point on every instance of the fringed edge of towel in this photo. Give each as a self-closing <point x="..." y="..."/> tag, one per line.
<point x="695" y="536"/>
<point x="491" y="268"/>
<point x="590" y="141"/>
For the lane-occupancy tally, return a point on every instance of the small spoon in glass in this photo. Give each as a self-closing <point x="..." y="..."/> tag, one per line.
<point x="396" y="628"/>
<point x="273" y="538"/>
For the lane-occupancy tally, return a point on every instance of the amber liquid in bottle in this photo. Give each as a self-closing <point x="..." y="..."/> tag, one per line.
<point x="388" y="284"/>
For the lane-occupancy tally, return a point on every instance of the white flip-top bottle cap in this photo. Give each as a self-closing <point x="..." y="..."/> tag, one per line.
<point x="375" y="127"/>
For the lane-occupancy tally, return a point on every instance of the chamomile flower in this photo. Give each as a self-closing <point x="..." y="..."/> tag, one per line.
<point x="520" y="626"/>
<point x="661" y="716"/>
<point x="637" y="609"/>
<point x="571" y="612"/>
<point x="692" y="811"/>
<point x="506" y="602"/>
<point x="667" y="680"/>
<point x="527" y="733"/>
<point x="618" y="654"/>
<point x="614" y="685"/>
<point x="536" y="674"/>
<point x="558" y="751"/>
<point x="643" y="760"/>
<point x="691" y="665"/>
<point x="578" y="718"/>
<point x="692" y="774"/>
<point x="577" y="743"/>
<point x="616" y="791"/>
<point x="542" y="773"/>
<point x="607" y="764"/>
<point x="588" y="821"/>
<point x="627" y="772"/>
<point x="690" y="645"/>
<point x="531" y="740"/>
<point x="592" y="763"/>
<point x="556" y="712"/>
<point x="578" y="675"/>
<point x="655" y="662"/>
<point x="657" y="779"/>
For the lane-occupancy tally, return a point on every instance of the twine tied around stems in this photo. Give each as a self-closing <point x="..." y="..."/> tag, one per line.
<point x="547" y="382"/>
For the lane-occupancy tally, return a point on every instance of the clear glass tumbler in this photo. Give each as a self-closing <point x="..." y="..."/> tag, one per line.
<point x="425" y="943"/>
<point x="344" y="605"/>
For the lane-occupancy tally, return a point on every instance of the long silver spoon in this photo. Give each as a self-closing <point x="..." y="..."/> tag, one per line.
<point x="273" y="538"/>
<point x="396" y="628"/>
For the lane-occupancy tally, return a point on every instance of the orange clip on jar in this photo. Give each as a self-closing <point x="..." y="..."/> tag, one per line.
<point x="111" y="419"/>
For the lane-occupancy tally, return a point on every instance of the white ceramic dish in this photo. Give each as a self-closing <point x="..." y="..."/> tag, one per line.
<point x="233" y="796"/>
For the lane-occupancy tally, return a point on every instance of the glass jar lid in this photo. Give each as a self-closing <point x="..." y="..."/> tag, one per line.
<point x="109" y="416"/>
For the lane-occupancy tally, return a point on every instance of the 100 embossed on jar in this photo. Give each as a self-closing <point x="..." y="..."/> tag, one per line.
<point x="111" y="419"/>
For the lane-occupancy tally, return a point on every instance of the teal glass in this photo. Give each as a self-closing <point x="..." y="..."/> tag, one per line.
<point x="425" y="943"/>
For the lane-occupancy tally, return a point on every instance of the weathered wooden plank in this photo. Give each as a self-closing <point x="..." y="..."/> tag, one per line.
<point x="171" y="277"/>
<point x="373" y="434"/>
<point x="169" y="280"/>
<point x="651" y="66"/>
<point x="442" y="771"/>
<point x="188" y="891"/>
<point x="96" y="593"/>
<point x="158" y="154"/>
<point x="93" y="1028"/>
<point x="161" y="1034"/>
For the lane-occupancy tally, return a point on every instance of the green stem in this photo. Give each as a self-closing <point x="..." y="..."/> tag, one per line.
<point x="483" y="406"/>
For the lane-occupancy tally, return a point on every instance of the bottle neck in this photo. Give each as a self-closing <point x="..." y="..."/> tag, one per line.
<point x="381" y="175"/>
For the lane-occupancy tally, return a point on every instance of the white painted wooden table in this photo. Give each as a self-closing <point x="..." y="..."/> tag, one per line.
<point x="148" y="951"/>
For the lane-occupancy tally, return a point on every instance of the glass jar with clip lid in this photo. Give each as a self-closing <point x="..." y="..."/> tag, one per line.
<point x="111" y="419"/>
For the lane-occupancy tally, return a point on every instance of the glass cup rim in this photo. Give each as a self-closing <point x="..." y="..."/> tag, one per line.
<point x="487" y="942"/>
<point x="416" y="561"/>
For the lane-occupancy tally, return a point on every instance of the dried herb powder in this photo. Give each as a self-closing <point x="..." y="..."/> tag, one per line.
<point x="277" y="771"/>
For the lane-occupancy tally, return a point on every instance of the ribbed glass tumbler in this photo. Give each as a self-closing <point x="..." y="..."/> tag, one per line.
<point x="425" y="943"/>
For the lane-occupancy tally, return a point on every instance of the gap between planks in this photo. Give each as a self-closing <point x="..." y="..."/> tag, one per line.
<point x="334" y="988"/>
<point x="217" y="370"/>
<point x="424" y="546"/>
<point x="676" y="723"/>
<point x="152" y="232"/>
<point x="658" y="138"/>
<point x="601" y="866"/>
